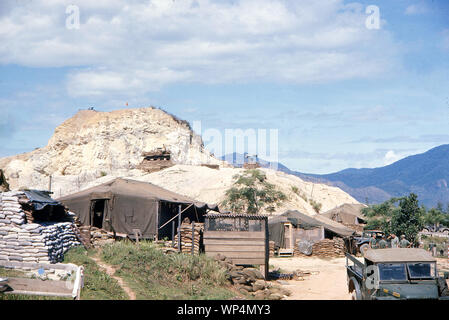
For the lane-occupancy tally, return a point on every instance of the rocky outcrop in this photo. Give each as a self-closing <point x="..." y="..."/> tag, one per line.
<point x="150" y="145"/>
<point x="93" y="144"/>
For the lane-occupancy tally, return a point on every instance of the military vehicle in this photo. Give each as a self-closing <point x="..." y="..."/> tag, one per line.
<point x="362" y="243"/>
<point x="434" y="228"/>
<point x="393" y="274"/>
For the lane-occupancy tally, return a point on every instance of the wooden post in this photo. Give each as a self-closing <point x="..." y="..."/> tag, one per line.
<point x="193" y="238"/>
<point x="173" y="233"/>
<point x="179" y="228"/>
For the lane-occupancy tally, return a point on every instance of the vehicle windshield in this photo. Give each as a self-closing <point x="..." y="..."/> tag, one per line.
<point x="421" y="270"/>
<point x="392" y="271"/>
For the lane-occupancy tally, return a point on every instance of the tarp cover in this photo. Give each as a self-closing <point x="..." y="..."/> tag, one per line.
<point x="129" y="205"/>
<point x="40" y="199"/>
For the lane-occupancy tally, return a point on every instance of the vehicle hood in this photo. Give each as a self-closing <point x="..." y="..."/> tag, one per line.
<point x="410" y="290"/>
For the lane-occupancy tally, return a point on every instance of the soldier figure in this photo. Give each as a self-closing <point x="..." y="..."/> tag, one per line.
<point x="382" y="243"/>
<point x="372" y="241"/>
<point x="394" y="241"/>
<point x="404" y="242"/>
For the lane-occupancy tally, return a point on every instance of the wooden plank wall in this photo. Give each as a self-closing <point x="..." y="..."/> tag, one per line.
<point x="240" y="246"/>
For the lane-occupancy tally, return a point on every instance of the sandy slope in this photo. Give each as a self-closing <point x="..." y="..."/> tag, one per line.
<point x="209" y="185"/>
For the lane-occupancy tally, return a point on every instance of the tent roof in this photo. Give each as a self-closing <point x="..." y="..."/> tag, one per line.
<point x="399" y="255"/>
<point x="354" y="209"/>
<point x="297" y="217"/>
<point x="135" y="189"/>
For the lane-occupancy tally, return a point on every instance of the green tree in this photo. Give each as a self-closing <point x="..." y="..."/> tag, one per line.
<point x="409" y="219"/>
<point x="406" y="217"/>
<point x="251" y="192"/>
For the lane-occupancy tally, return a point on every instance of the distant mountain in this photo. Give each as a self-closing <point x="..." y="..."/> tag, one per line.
<point x="238" y="159"/>
<point x="425" y="174"/>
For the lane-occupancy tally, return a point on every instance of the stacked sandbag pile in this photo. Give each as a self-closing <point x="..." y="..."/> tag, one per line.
<point x="271" y="248"/>
<point x="329" y="248"/>
<point x="98" y="236"/>
<point x="59" y="237"/>
<point x="186" y="237"/>
<point x="31" y="242"/>
<point x="251" y="281"/>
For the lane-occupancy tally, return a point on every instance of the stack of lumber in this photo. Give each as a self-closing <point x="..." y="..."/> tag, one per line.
<point x="296" y="251"/>
<point x="328" y="248"/>
<point x="271" y="246"/>
<point x="186" y="237"/>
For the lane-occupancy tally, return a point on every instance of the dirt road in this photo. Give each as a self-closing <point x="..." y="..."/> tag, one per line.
<point x="327" y="283"/>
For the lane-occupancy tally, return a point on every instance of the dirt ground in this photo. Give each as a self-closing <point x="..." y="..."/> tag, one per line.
<point x="328" y="281"/>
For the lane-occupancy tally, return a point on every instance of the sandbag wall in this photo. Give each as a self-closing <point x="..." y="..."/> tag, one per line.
<point x="329" y="248"/>
<point x="186" y="237"/>
<point x="31" y="242"/>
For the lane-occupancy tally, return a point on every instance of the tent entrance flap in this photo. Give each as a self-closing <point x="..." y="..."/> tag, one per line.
<point x="98" y="208"/>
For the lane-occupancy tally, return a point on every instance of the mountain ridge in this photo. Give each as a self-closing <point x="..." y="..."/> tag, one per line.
<point x="426" y="174"/>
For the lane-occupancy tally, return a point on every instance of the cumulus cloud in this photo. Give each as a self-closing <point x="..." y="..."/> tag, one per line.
<point x="391" y="157"/>
<point x="138" y="46"/>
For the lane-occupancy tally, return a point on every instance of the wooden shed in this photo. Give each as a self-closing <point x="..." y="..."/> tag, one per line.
<point x="242" y="238"/>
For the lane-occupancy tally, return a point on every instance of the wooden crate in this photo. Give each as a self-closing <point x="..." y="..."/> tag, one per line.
<point x="242" y="247"/>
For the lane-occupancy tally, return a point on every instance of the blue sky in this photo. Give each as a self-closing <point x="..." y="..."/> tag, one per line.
<point x="341" y="95"/>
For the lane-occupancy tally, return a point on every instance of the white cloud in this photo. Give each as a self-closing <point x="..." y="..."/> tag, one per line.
<point x="391" y="157"/>
<point x="138" y="46"/>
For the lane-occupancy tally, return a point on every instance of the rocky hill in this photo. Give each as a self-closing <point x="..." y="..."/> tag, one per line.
<point x="94" y="147"/>
<point x="93" y="144"/>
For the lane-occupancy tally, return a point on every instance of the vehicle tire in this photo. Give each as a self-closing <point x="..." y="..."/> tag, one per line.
<point x="363" y="248"/>
<point x="356" y="294"/>
<point x="445" y="232"/>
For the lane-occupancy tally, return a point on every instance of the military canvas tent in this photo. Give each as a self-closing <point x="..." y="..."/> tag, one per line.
<point x="348" y="213"/>
<point x="302" y="221"/>
<point x="124" y="205"/>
